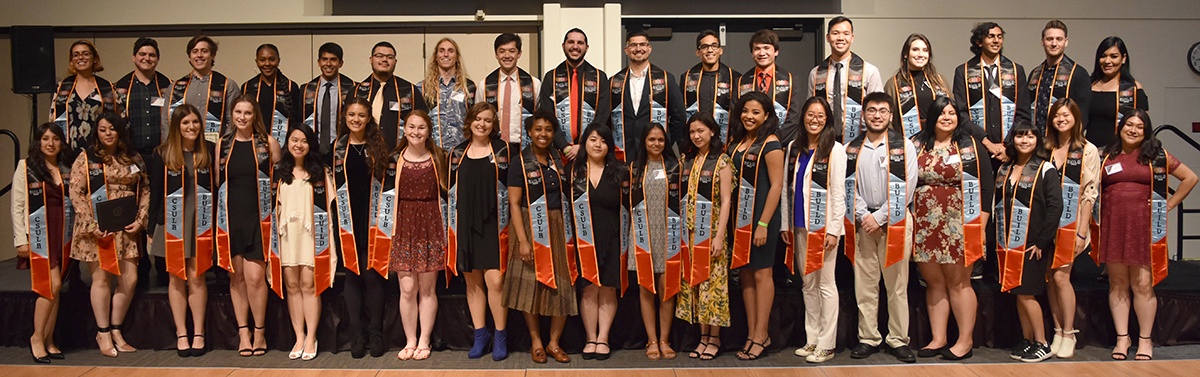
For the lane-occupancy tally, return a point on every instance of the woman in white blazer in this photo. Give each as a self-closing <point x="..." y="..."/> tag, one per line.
<point x="813" y="208"/>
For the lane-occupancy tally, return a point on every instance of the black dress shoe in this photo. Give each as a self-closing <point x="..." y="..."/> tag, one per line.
<point x="197" y="352"/>
<point x="931" y="352"/>
<point x="904" y="354"/>
<point x="39" y="360"/>
<point x="863" y="350"/>
<point x="377" y="345"/>
<point x="56" y="356"/>
<point x="358" y="347"/>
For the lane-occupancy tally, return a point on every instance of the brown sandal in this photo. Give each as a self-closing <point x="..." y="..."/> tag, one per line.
<point x="653" y="353"/>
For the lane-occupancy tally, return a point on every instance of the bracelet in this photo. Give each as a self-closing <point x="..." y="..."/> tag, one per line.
<point x="762" y="224"/>
<point x="1082" y="237"/>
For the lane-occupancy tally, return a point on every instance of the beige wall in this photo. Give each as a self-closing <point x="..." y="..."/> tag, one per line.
<point x="1158" y="34"/>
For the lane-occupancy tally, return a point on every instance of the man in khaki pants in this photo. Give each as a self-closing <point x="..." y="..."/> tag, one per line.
<point x="881" y="175"/>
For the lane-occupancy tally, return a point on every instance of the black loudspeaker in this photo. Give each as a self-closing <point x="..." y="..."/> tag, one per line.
<point x="33" y="59"/>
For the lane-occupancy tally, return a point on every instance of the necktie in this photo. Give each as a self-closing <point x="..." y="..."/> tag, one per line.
<point x="764" y="82"/>
<point x="574" y="105"/>
<point x="323" y="116"/>
<point x="506" y="109"/>
<point x="836" y="97"/>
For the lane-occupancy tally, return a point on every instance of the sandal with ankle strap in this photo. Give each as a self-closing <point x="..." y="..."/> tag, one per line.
<point x="1121" y="355"/>
<point x="245" y="352"/>
<point x="1142" y="356"/>
<point x="122" y="347"/>
<point x="716" y="346"/>
<point x="263" y="350"/>
<point x="702" y="345"/>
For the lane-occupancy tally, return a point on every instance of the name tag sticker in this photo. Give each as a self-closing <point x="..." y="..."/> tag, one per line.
<point x="157" y="101"/>
<point x="660" y="175"/>
<point x="95" y="96"/>
<point x="133" y="169"/>
<point x="458" y="97"/>
<point x="1113" y="169"/>
<point x="953" y="159"/>
<point x="393" y="106"/>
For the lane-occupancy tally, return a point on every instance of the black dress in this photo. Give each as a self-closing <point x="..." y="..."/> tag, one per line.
<point x="478" y="234"/>
<point x="245" y="233"/>
<point x="358" y="177"/>
<point x="1102" y="116"/>
<point x="760" y="256"/>
<point x="606" y="224"/>
<point x="1043" y="227"/>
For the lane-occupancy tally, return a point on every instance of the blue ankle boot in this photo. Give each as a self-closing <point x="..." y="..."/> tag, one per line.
<point x="500" y="345"/>
<point x="481" y="339"/>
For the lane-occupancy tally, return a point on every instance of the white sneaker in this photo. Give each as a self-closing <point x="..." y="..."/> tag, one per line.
<point x="820" y="356"/>
<point x="807" y="350"/>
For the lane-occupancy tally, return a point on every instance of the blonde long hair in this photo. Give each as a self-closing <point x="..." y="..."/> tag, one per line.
<point x="172" y="150"/>
<point x="433" y="74"/>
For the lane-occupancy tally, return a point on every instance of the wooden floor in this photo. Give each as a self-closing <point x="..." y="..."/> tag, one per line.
<point x="1128" y="368"/>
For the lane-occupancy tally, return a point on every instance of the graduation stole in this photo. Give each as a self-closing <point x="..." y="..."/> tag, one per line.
<point x="499" y="160"/>
<point x="676" y="250"/>
<point x="781" y="89"/>
<point x="62" y="115"/>
<point x="124" y="86"/>
<point x="563" y="93"/>
<point x="39" y="228"/>
<point x="723" y="97"/>
<point x="281" y="102"/>
<point x="174" y="222"/>
<point x="743" y="229"/>
<point x="324" y="261"/>
<point x="817" y="206"/>
<point x="909" y="105"/>
<point x="700" y="179"/>
<point x="897" y="195"/>
<point x="1126" y="99"/>
<point x="972" y="200"/>
<point x="266" y="204"/>
<point x="1012" y="223"/>
<point x="852" y="101"/>
<point x="345" y="223"/>
<point x="977" y="98"/>
<point x="309" y="109"/>
<point x="656" y="80"/>
<point x="1072" y="176"/>
<point x="402" y="102"/>
<point x="585" y="241"/>
<point x="1059" y="86"/>
<point x="384" y="224"/>
<point x="539" y="217"/>
<point x="436" y="114"/>
<point x="215" y="108"/>
<point x="492" y="91"/>
<point x="98" y="187"/>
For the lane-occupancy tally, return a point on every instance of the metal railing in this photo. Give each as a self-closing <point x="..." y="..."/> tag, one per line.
<point x="16" y="156"/>
<point x="1181" y="211"/>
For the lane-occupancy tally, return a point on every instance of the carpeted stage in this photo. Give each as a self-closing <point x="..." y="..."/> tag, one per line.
<point x="149" y="324"/>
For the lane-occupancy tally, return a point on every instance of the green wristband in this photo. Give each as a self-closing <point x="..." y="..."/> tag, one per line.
<point x="762" y="224"/>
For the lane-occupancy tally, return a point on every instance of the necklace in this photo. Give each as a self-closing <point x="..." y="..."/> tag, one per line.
<point x="361" y="149"/>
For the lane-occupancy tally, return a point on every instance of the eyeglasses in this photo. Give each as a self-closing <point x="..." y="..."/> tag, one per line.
<point x="711" y="46"/>
<point x="638" y="44"/>
<point x="873" y="111"/>
<point x="382" y="56"/>
<point x="83" y="54"/>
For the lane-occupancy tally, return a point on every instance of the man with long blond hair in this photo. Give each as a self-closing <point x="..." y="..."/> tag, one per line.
<point x="449" y="93"/>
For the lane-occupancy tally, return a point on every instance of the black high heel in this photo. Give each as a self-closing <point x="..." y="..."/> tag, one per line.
<point x="39" y="360"/>
<point x="257" y="351"/>
<point x="245" y="352"/>
<point x="185" y="352"/>
<point x="197" y="352"/>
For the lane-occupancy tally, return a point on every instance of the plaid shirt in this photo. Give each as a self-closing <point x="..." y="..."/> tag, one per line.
<point x="145" y="119"/>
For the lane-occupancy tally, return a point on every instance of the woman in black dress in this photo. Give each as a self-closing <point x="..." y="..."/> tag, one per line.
<point x="597" y="188"/>
<point x="478" y="219"/>
<point x="358" y="161"/>
<point x="1113" y="90"/>
<point x="246" y="155"/>
<point x="1026" y="225"/>
<point x="755" y="225"/>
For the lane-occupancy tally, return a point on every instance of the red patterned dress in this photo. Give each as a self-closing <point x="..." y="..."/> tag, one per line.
<point x="420" y="240"/>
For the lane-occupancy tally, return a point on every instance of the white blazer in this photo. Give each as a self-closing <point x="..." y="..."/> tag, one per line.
<point x="835" y="212"/>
